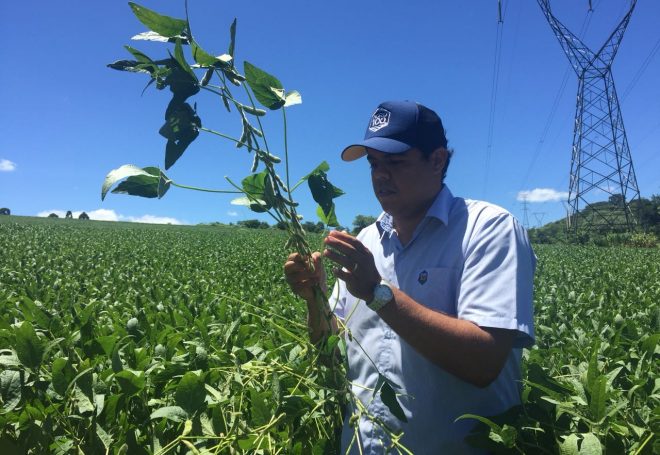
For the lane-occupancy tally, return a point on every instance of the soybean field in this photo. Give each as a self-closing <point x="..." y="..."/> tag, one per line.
<point x="143" y="339"/>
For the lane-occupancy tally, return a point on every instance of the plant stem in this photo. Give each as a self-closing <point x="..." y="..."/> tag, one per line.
<point x="217" y="133"/>
<point x="259" y="119"/>
<point x="286" y="153"/>
<point x="204" y="189"/>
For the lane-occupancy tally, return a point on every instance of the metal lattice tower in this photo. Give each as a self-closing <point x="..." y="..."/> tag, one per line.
<point x="601" y="165"/>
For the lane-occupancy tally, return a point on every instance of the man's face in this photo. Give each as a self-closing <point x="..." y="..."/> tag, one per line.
<point x="406" y="184"/>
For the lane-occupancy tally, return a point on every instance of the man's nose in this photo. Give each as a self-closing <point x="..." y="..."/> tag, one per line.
<point x="380" y="172"/>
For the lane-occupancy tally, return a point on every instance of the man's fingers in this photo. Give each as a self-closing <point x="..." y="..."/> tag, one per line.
<point x="348" y="239"/>
<point x="338" y="258"/>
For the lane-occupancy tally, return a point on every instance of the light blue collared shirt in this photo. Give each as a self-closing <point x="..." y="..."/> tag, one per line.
<point x="469" y="259"/>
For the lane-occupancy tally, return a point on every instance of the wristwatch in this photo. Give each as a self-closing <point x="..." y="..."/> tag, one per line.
<point x="382" y="296"/>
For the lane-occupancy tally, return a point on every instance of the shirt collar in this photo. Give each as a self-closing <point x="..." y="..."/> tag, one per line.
<point x="439" y="209"/>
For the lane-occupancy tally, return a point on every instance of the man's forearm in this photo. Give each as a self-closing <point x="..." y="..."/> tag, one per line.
<point x="460" y="347"/>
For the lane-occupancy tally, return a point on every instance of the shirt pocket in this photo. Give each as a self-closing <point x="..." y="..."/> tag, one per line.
<point x="436" y="288"/>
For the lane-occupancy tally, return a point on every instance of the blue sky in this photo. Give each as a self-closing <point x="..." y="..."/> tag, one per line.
<point x="67" y="120"/>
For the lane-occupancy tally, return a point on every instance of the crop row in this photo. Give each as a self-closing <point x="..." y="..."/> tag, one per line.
<point x="150" y="339"/>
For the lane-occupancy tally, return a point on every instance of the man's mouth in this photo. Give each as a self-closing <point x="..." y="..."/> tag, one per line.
<point x="384" y="192"/>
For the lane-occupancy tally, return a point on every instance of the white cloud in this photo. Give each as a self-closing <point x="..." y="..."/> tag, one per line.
<point x="103" y="215"/>
<point x="7" y="166"/>
<point x="542" y="195"/>
<point x="111" y="215"/>
<point x="232" y="213"/>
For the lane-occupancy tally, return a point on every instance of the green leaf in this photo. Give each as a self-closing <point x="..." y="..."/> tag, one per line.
<point x="509" y="435"/>
<point x="323" y="167"/>
<point x="492" y="425"/>
<point x="205" y="59"/>
<point x="650" y="343"/>
<point x="323" y="191"/>
<point x="163" y="25"/>
<point x="388" y="397"/>
<point x="127" y="171"/>
<point x="259" y="409"/>
<point x="598" y="397"/>
<point x="329" y="219"/>
<point x="129" y="382"/>
<point x="254" y="205"/>
<point x="132" y="66"/>
<point x="107" y="343"/>
<point x="173" y="413"/>
<point x="267" y="88"/>
<point x="181" y="60"/>
<point x="28" y="346"/>
<point x="190" y="392"/>
<point x="569" y="446"/>
<point x="83" y="403"/>
<point x="10" y="389"/>
<point x="259" y="188"/>
<point x="61" y="445"/>
<point x="148" y="186"/>
<point x="592" y="370"/>
<point x="35" y="313"/>
<point x="590" y="445"/>
<point x="62" y="374"/>
<point x="232" y="38"/>
<point x="8" y="358"/>
<point x="104" y="437"/>
<point x="181" y="128"/>
<point x="144" y="62"/>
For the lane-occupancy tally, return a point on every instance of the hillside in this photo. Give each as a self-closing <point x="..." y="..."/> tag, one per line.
<point x="592" y="224"/>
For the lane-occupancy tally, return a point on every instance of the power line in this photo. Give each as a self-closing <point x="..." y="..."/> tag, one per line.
<point x="493" y="93"/>
<point x="641" y="69"/>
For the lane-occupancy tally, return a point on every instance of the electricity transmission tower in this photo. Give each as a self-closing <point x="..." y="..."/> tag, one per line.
<point x="525" y="210"/>
<point x="601" y="165"/>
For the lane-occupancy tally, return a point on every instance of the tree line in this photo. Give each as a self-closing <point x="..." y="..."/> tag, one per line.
<point x="359" y="223"/>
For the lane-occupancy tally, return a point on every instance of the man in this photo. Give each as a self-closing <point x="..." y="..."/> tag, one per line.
<point x="437" y="294"/>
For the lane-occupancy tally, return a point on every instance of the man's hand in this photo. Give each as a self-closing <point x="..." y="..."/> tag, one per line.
<point x="302" y="278"/>
<point x="358" y="268"/>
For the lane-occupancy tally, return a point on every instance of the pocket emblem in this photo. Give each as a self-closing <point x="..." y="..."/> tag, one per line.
<point x="423" y="276"/>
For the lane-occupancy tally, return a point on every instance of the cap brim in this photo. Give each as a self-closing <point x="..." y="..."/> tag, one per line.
<point x="382" y="144"/>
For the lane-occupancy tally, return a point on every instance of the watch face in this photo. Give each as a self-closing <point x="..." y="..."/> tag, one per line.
<point x="382" y="294"/>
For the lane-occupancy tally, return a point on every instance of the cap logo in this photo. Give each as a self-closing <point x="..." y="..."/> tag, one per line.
<point x="380" y="119"/>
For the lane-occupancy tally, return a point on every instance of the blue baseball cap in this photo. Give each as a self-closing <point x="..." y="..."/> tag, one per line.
<point x="398" y="126"/>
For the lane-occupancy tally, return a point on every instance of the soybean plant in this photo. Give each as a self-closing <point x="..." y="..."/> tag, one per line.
<point x="263" y="190"/>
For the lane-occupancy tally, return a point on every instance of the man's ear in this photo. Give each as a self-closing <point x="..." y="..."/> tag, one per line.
<point x="439" y="159"/>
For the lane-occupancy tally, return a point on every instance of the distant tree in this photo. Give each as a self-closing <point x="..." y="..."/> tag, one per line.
<point x="616" y="200"/>
<point x="281" y="225"/>
<point x="83" y="216"/>
<point x="5" y="211"/>
<point x="362" y="221"/>
<point x="264" y="225"/>
<point x="649" y="214"/>
<point x="250" y="224"/>
<point x="311" y="227"/>
<point x="68" y="214"/>
<point x="53" y="215"/>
